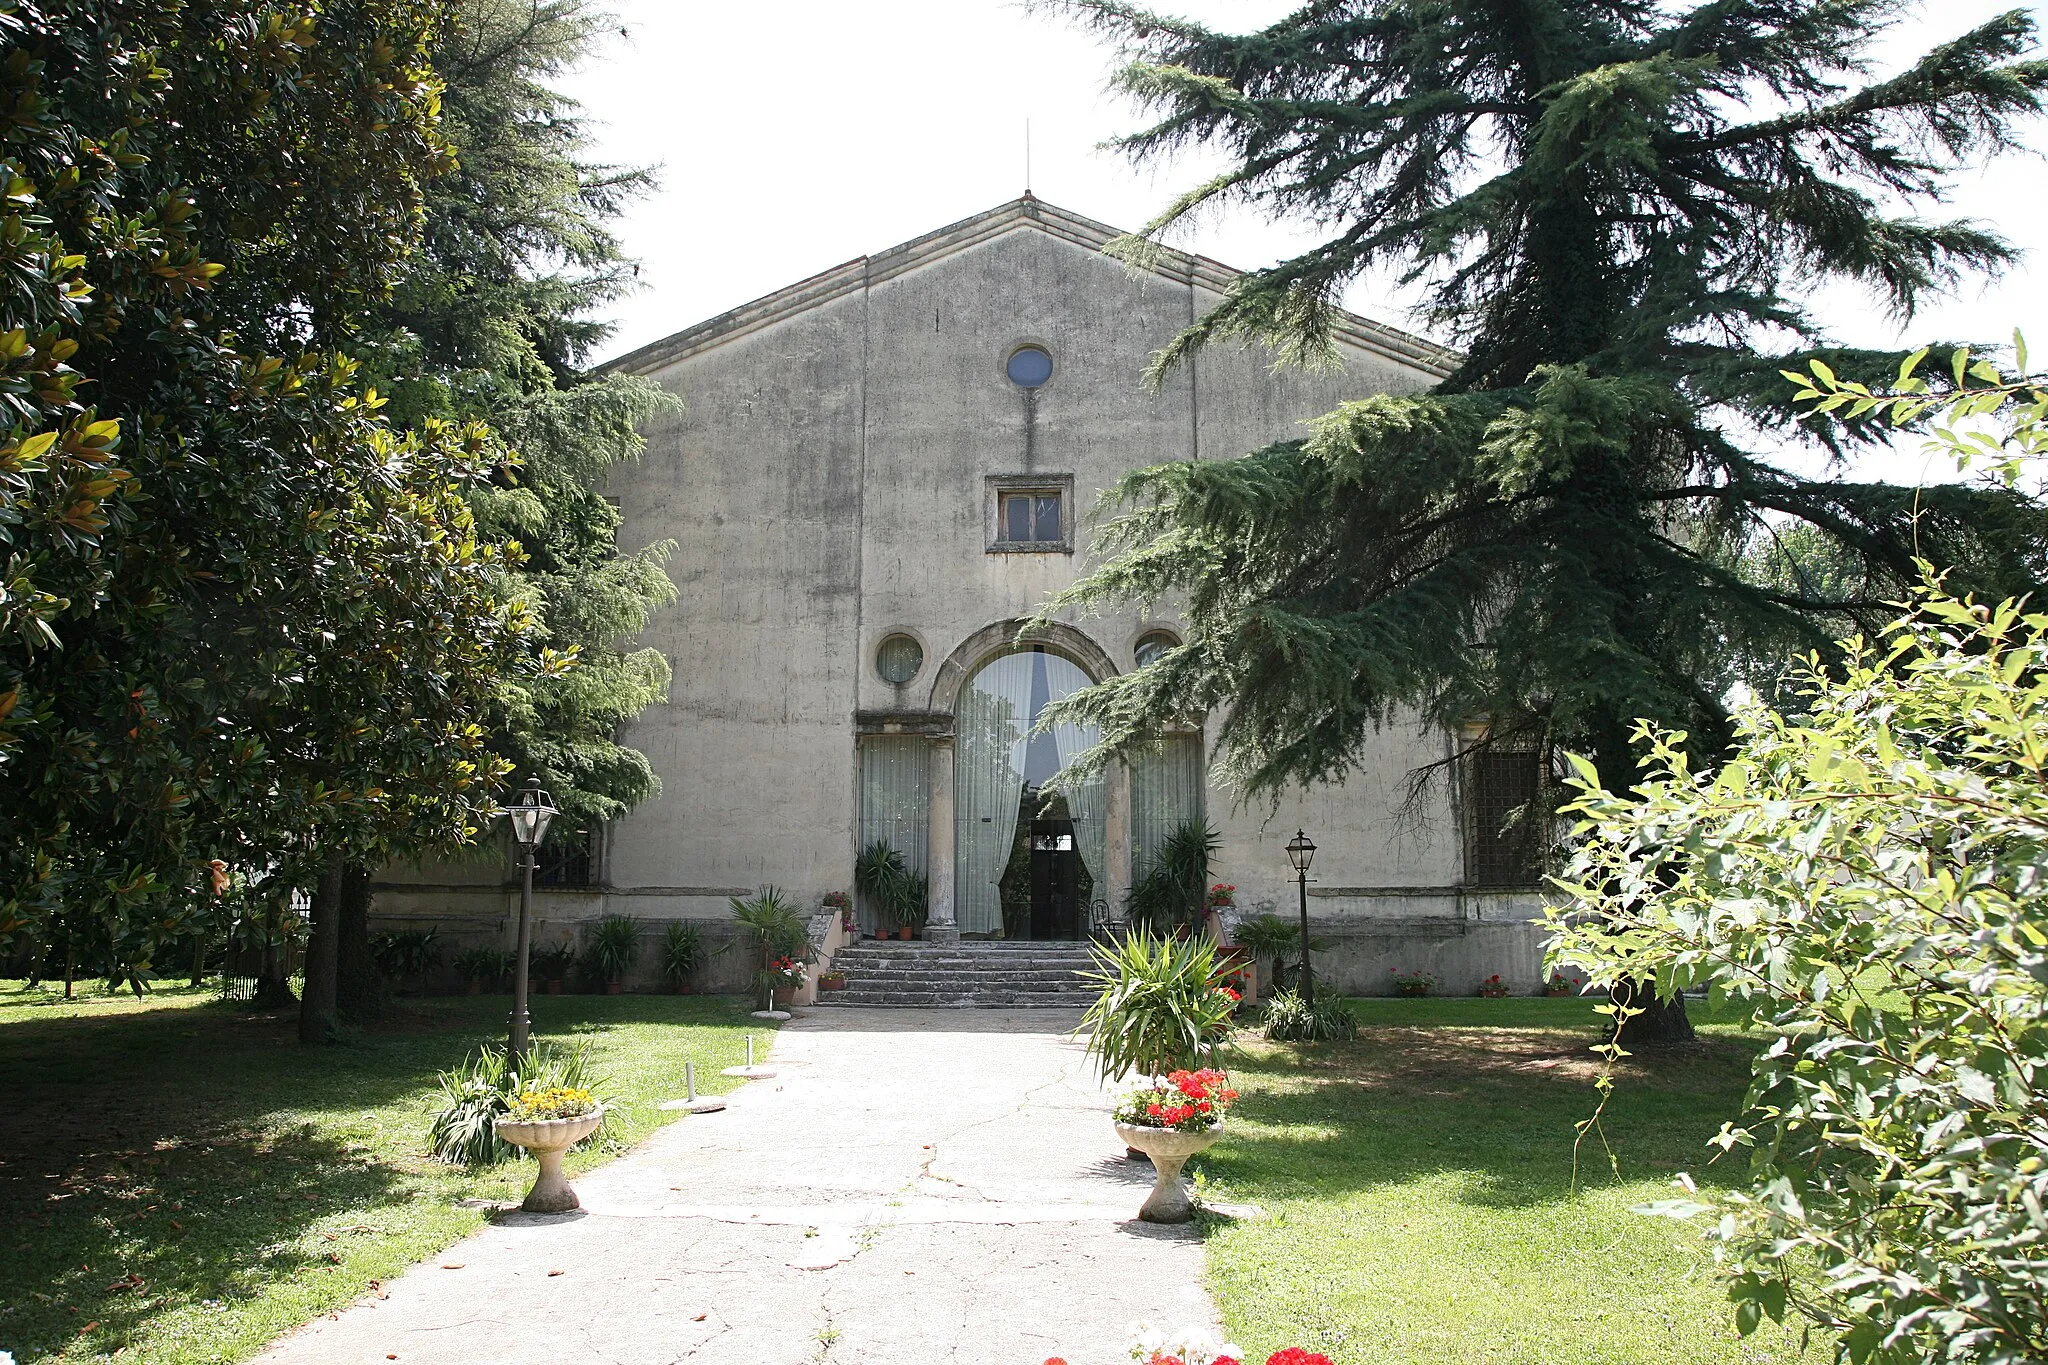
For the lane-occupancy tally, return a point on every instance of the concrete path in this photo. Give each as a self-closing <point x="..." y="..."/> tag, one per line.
<point x="913" y="1186"/>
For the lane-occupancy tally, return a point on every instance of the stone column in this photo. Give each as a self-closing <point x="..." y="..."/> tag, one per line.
<point x="941" y="927"/>
<point x="1116" y="879"/>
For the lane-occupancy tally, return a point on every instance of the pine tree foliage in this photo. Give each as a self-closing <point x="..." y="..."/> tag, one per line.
<point x="1617" y="210"/>
<point x="491" y="320"/>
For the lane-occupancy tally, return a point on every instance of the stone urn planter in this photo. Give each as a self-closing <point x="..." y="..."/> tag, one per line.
<point x="548" y="1139"/>
<point x="1169" y="1151"/>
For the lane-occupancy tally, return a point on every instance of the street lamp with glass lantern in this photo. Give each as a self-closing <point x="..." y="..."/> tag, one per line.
<point x="1301" y="850"/>
<point x="528" y="813"/>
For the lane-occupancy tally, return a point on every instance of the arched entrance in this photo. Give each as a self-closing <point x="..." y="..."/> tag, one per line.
<point x="1027" y="859"/>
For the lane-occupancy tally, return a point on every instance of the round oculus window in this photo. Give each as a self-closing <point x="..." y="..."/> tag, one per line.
<point x="1029" y="367"/>
<point x="899" y="658"/>
<point x="1151" y="646"/>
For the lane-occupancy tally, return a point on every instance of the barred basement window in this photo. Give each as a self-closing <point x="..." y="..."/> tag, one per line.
<point x="1504" y="817"/>
<point x="567" y="859"/>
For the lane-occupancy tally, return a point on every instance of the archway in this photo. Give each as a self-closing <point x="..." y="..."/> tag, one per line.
<point x="1019" y="847"/>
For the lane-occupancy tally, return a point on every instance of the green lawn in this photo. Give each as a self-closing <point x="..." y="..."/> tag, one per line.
<point x="182" y="1179"/>
<point x="1419" y="1183"/>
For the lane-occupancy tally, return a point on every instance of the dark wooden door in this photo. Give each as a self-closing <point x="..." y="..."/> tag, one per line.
<point x="1055" y="904"/>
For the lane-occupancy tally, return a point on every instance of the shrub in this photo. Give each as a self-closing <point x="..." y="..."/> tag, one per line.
<point x="682" y="951"/>
<point x="476" y="1093"/>
<point x="1290" y="1019"/>
<point x="410" y="953"/>
<point x="1863" y="880"/>
<point x="1163" y="1004"/>
<point x="551" y="963"/>
<point x="898" y="893"/>
<point x="1173" y="891"/>
<point x="773" y="925"/>
<point x="610" y="947"/>
<point x="484" y="964"/>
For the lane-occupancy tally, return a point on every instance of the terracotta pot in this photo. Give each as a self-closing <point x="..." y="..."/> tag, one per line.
<point x="784" y="996"/>
<point x="882" y="933"/>
<point x="548" y="1139"/>
<point x="1555" y="992"/>
<point x="832" y="981"/>
<point x="473" y="988"/>
<point x="554" y="988"/>
<point x="614" y="987"/>
<point x="903" y="932"/>
<point x="1169" y="1151"/>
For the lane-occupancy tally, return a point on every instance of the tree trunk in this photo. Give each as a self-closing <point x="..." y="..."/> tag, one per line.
<point x="199" y="958"/>
<point x="1661" y="1021"/>
<point x="359" y="994"/>
<point x="317" y="1006"/>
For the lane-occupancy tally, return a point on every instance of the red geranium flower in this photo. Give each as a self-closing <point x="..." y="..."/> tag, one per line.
<point x="1294" y="1355"/>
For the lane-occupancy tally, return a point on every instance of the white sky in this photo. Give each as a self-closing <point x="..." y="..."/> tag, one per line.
<point x="793" y="138"/>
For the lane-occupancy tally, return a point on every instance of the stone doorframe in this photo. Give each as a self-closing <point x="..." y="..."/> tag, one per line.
<point x="1009" y="637"/>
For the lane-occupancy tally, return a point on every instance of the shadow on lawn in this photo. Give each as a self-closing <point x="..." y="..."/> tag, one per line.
<point x="1489" y="1110"/>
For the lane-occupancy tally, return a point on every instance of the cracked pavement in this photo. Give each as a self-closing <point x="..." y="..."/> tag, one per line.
<point x="912" y="1187"/>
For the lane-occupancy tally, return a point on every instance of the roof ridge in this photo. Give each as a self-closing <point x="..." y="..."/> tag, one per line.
<point x="1182" y="267"/>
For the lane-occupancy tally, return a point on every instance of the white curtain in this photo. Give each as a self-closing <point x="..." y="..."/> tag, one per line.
<point x="1166" y="792"/>
<point x="895" y="803"/>
<point x="990" y="727"/>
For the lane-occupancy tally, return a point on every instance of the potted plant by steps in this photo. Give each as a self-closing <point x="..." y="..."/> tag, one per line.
<point x="548" y="1123"/>
<point x="682" y="952"/>
<point x="1170" y="1121"/>
<point x="610" y="948"/>
<point x="550" y="966"/>
<point x="879" y="873"/>
<point x="834" y="980"/>
<point x="784" y="977"/>
<point x="913" y="904"/>
<point x="772" y="928"/>
<point x="841" y="904"/>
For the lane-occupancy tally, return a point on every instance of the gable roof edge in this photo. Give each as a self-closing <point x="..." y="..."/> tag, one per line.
<point x="1027" y="213"/>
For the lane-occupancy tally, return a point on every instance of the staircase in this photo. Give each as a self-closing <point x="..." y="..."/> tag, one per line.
<point x="963" y="975"/>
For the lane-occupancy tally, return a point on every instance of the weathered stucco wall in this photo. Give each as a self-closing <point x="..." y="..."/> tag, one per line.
<point x="827" y="486"/>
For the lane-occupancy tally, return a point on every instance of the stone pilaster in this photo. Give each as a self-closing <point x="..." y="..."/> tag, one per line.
<point x="941" y="927"/>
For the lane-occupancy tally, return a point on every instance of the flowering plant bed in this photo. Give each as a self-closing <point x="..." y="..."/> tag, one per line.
<point x="1493" y="988"/>
<point x="1189" y="1102"/>
<point x="1152" y="1346"/>
<point x="1222" y="894"/>
<point x="1560" y="984"/>
<point x="557" y="1102"/>
<point x="1413" y="984"/>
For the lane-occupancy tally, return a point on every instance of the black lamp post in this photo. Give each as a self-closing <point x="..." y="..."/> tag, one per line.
<point x="1300" y="851"/>
<point x="529" y="813"/>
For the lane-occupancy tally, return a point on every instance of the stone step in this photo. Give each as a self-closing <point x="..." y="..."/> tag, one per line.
<point x="950" y="999"/>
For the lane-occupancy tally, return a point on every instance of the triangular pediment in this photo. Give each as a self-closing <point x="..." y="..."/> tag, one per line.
<point x="1028" y="214"/>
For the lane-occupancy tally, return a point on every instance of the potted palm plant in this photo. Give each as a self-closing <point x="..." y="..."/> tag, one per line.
<point x="682" y="952"/>
<point x="773" y="929"/>
<point x="1164" y="1008"/>
<point x="878" y="874"/>
<point x="610" y="949"/>
<point x="551" y="966"/>
<point x="1172" y="896"/>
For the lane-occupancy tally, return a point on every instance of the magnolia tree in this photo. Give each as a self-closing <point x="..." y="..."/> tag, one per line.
<point x="1864" y="878"/>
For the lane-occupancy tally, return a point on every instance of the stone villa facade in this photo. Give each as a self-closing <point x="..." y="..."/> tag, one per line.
<point x="878" y="476"/>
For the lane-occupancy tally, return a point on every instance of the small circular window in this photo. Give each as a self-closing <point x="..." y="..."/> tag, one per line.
<point x="1029" y="367"/>
<point x="899" y="658"/>
<point x="1151" y="646"/>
